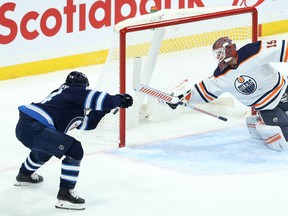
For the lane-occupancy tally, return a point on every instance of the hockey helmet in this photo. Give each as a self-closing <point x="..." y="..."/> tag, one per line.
<point x="224" y="50"/>
<point x="77" y="78"/>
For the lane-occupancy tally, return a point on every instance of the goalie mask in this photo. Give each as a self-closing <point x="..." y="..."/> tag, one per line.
<point x="224" y="50"/>
<point x="77" y="78"/>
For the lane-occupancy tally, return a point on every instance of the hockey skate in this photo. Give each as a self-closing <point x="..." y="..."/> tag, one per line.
<point x="67" y="199"/>
<point x="23" y="179"/>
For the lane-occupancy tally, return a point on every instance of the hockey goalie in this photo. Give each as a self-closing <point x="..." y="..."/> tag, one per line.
<point x="246" y="74"/>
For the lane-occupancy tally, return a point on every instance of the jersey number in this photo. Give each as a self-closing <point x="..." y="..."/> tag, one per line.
<point x="272" y="43"/>
<point x="49" y="97"/>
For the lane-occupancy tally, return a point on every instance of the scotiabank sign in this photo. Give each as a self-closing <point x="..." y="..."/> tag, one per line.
<point x="76" y="17"/>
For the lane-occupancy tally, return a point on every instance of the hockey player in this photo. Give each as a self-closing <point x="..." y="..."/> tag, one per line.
<point x="247" y="74"/>
<point x="42" y="128"/>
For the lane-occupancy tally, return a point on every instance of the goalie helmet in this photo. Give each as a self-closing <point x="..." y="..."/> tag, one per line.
<point x="224" y="50"/>
<point x="77" y="78"/>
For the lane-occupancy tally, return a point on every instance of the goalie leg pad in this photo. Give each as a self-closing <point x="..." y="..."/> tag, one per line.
<point x="276" y="117"/>
<point x="251" y="125"/>
<point x="272" y="136"/>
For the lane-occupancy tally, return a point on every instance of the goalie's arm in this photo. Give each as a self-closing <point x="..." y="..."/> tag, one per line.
<point x="203" y="92"/>
<point x="206" y="91"/>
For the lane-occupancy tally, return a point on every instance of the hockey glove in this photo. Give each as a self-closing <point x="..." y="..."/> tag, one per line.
<point x="180" y="98"/>
<point x="126" y="101"/>
<point x="172" y="106"/>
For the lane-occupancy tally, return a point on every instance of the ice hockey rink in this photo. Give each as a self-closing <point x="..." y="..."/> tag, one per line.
<point x="208" y="168"/>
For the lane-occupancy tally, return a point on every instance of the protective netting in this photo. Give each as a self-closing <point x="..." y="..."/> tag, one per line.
<point x="169" y="55"/>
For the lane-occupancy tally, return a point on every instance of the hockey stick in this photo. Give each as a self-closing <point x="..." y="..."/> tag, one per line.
<point x="203" y="111"/>
<point x="115" y="111"/>
<point x="162" y="95"/>
<point x="170" y="99"/>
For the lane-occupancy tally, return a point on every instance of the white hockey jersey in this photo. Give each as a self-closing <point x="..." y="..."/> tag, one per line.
<point x="254" y="82"/>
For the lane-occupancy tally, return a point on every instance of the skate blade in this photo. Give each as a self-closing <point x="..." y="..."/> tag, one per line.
<point x="21" y="183"/>
<point x="25" y="183"/>
<point x="69" y="206"/>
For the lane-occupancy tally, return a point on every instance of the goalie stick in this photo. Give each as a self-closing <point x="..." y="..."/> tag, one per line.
<point x="162" y="95"/>
<point x="170" y="99"/>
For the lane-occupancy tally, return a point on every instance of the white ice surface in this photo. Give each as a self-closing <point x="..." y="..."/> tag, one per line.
<point x="208" y="168"/>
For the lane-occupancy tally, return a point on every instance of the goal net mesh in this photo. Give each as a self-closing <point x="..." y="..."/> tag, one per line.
<point x="170" y="54"/>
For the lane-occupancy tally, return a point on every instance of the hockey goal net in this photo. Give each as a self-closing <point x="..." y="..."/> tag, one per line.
<point x="173" y="45"/>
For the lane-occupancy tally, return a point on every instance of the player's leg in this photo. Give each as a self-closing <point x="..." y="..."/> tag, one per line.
<point x="251" y="125"/>
<point x="275" y="130"/>
<point x="272" y="137"/>
<point x="26" y="130"/>
<point x="59" y="145"/>
<point x="27" y="172"/>
<point x="276" y="117"/>
<point x="39" y="138"/>
<point x="67" y="199"/>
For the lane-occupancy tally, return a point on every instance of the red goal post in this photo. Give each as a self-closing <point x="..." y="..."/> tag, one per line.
<point x="126" y="48"/>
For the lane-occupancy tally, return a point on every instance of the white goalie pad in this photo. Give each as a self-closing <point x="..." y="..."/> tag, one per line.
<point x="251" y="125"/>
<point x="272" y="136"/>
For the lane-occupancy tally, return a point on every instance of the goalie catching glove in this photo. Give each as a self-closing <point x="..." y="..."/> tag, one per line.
<point x="179" y="99"/>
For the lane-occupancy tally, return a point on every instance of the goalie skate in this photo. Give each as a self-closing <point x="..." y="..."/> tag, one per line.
<point x="67" y="199"/>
